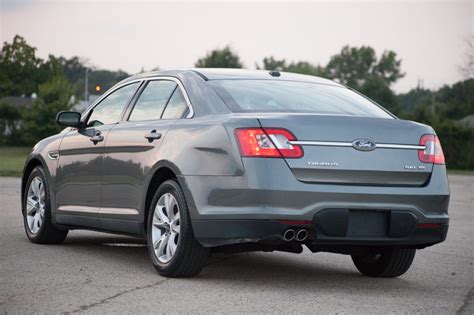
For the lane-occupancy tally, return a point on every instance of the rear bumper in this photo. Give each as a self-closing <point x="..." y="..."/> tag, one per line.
<point x="223" y="232"/>
<point x="247" y="208"/>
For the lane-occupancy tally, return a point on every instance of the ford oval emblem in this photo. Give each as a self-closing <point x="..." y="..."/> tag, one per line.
<point x="364" y="145"/>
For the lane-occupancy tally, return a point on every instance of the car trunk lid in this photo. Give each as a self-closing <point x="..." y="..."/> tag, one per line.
<point x="354" y="150"/>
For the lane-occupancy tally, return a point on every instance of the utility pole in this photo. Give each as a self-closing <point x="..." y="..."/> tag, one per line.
<point x="86" y="92"/>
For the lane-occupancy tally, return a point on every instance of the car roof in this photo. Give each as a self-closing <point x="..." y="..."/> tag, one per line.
<point x="235" y="74"/>
<point x="242" y="74"/>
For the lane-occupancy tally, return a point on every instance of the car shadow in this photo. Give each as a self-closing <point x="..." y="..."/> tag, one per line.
<point x="281" y="271"/>
<point x="257" y="270"/>
<point x="116" y="249"/>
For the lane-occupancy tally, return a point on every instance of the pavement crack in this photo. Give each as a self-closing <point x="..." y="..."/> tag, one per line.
<point x="467" y="299"/>
<point x="107" y="299"/>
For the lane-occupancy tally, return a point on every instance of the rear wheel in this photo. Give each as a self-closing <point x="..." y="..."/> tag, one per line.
<point x="171" y="244"/>
<point x="37" y="211"/>
<point x="389" y="263"/>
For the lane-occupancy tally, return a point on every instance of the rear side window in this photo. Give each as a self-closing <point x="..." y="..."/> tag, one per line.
<point x="152" y="101"/>
<point x="176" y="107"/>
<point x="294" y="97"/>
<point x="109" y="110"/>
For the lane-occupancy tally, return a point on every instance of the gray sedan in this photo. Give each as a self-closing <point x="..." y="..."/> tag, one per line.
<point x="209" y="160"/>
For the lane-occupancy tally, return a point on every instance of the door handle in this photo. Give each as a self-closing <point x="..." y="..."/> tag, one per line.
<point x="153" y="135"/>
<point x="97" y="137"/>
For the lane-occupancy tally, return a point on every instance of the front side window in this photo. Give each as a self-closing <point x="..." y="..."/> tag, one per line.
<point x="153" y="100"/>
<point x="294" y="97"/>
<point x="109" y="110"/>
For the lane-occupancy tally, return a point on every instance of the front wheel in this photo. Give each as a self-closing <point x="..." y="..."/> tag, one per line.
<point x="388" y="263"/>
<point x="37" y="211"/>
<point x="171" y="244"/>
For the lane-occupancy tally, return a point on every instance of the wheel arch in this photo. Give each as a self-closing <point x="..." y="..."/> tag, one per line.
<point x="163" y="172"/>
<point x="29" y="167"/>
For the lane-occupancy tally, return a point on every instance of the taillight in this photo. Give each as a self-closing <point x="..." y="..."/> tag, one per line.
<point x="433" y="153"/>
<point x="267" y="142"/>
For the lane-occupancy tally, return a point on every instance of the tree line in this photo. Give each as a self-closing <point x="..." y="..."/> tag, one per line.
<point x="450" y="109"/>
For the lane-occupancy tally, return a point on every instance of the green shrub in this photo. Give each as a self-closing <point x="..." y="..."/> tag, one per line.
<point x="458" y="144"/>
<point x="39" y="117"/>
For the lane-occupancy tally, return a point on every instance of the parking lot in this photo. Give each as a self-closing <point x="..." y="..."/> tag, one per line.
<point x="100" y="273"/>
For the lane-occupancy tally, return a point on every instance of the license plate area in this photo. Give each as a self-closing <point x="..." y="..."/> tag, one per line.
<point x="368" y="223"/>
<point x="364" y="223"/>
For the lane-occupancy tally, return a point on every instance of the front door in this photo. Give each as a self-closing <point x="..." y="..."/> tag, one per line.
<point x="81" y="158"/>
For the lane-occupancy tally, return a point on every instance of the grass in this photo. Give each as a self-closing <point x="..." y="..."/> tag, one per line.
<point x="12" y="160"/>
<point x="461" y="172"/>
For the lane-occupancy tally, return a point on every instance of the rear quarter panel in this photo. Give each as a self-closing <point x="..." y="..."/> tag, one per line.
<point x="205" y="146"/>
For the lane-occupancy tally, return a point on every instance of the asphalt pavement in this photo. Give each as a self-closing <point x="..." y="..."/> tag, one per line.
<point x="101" y="273"/>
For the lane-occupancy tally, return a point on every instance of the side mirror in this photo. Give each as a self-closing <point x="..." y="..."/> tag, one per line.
<point x="69" y="119"/>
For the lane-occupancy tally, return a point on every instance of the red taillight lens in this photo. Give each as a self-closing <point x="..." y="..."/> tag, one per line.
<point x="433" y="153"/>
<point x="267" y="142"/>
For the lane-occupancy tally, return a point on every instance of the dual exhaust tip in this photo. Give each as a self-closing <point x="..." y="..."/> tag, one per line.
<point x="298" y="235"/>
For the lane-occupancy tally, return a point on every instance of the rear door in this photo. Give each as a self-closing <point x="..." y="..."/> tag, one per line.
<point x="354" y="150"/>
<point x="133" y="148"/>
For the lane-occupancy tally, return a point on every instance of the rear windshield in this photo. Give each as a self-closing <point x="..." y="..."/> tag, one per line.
<point x="298" y="97"/>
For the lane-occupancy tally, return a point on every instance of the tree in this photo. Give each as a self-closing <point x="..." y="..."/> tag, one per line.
<point x="302" y="67"/>
<point x="408" y="101"/>
<point x="457" y="148"/>
<point x="20" y="70"/>
<point x="380" y="92"/>
<point x="388" y="68"/>
<point x="39" y="118"/>
<point x="74" y="70"/>
<point x="456" y="101"/>
<point x="359" y="68"/>
<point x="451" y="102"/>
<point x="220" y="58"/>
<point x="353" y="66"/>
<point x="104" y="78"/>
<point x="270" y="63"/>
<point x="356" y="67"/>
<point x="467" y="69"/>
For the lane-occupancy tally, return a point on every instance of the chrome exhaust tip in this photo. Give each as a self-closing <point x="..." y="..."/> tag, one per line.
<point x="301" y="235"/>
<point x="288" y="235"/>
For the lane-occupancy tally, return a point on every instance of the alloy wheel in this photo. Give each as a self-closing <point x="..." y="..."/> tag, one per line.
<point x="35" y="205"/>
<point x="165" y="228"/>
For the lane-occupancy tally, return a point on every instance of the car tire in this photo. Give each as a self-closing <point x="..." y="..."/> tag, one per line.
<point x="173" y="254"/>
<point x="37" y="221"/>
<point x="389" y="263"/>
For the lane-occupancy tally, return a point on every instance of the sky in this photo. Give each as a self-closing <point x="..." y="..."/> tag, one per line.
<point x="429" y="36"/>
